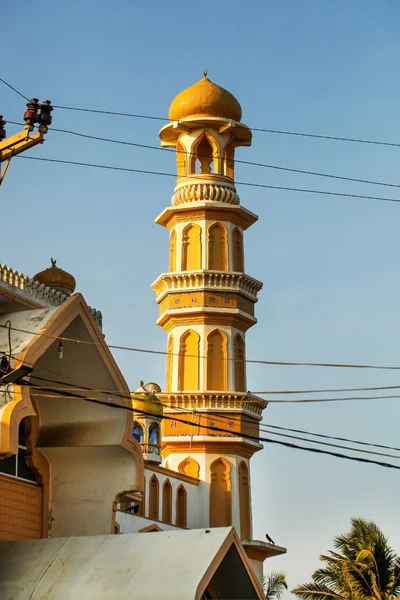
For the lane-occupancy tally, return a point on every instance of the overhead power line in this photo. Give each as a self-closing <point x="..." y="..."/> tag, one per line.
<point x="233" y="434"/>
<point x="164" y="353"/>
<point x="244" y="183"/>
<point x="237" y="161"/>
<point x="200" y="413"/>
<point x="260" y="129"/>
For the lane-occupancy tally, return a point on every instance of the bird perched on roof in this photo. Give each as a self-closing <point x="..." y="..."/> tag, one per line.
<point x="271" y="541"/>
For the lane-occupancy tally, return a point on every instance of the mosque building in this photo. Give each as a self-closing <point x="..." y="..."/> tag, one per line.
<point x="74" y="467"/>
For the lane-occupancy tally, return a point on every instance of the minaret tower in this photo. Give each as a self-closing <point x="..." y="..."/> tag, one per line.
<point x="206" y="305"/>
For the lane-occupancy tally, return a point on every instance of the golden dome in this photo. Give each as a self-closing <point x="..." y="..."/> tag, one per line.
<point x="57" y="279"/>
<point x="146" y="401"/>
<point x="205" y="99"/>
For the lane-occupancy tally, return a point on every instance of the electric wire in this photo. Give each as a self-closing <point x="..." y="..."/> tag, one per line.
<point x="243" y="162"/>
<point x="260" y="129"/>
<point x="236" y="360"/>
<point x="244" y="183"/>
<point x="217" y="415"/>
<point x="234" y="434"/>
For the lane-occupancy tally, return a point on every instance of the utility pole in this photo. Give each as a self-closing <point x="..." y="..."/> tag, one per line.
<point x="11" y="146"/>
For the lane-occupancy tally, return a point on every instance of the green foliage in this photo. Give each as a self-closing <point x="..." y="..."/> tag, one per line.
<point x="274" y="585"/>
<point x="362" y="567"/>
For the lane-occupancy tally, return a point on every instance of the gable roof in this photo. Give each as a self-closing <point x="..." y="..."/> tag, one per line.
<point x="167" y="564"/>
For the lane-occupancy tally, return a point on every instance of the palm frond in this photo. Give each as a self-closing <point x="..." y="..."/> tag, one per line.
<point x="316" y="591"/>
<point x="275" y="584"/>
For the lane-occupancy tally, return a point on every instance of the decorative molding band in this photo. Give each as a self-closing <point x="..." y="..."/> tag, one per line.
<point x="216" y="401"/>
<point x="212" y="280"/>
<point x="200" y="192"/>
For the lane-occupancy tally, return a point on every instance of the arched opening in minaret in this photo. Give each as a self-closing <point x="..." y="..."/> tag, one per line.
<point x="154" y="490"/>
<point x="167" y="502"/>
<point x="170" y="361"/>
<point x="217" y="247"/>
<point x="181" y="507"/>
<point x="189" y="361"/>
<point x="189" y="467"/>
<point x="216" y="360"/>
<point x="237" y="247"/>
<point x="244" y="501"/>
<point x="154" y="434"/>
<point x="204" y="155"/>
<point x="220" y="494"/>
<point x="172" y="251"/>
<point x="180" y="159"/>
<point x="191" y="248"/>
<point x="239" y="364"/>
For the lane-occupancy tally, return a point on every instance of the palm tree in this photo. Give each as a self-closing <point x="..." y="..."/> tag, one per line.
<point x="362" y="567"/>
<point x="274" y="585"/>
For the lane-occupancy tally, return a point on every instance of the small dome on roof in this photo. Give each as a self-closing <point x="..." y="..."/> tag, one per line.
<point x="57" y="279"/>
<point x="205" y="99"/>
<point x="146" y="401"/>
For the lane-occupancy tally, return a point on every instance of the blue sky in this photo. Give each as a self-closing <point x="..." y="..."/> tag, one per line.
<point x="329" y="265"/>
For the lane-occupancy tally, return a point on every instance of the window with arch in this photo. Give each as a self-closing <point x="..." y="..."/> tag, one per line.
<point x="189" y="467"/>
<point x="203" y="155"/>
<point x="217" y="247"/>
<point x="239" y="364"/>
<point x="220" y="494"/>
<point x="181" y="507"/>
<point x="244" y="501"/>
<point x="138" y="432"/>
<point x="17" y="465"/>
<point x="154" y="491"/>
<point x="191" y="247"/>
<point x="167" y="502"/>
<point x="237" y="250"/>
<point x="154" y="433"/>
<point x="189" y="361"/>
<point x="217" y="365"/>
<point x="170" y="361"/>
<point x="172" y="251"/>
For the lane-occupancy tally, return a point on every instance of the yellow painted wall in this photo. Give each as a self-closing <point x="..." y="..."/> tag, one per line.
<point x="220" y="495"/>
<point x="21" y="508"/>
<point x="237" y="246"/>
<point x="172" y="251"/>
<point x="170" y="360"/>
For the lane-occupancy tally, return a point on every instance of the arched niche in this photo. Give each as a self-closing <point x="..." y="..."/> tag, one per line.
<point x="217" y="247"/>
<point x="191" y="248"/>
<point x="239" y="364"/>
<point x="170" y="361"/>
<point x="172" y="251"/>
<point x="244" y="501"/>
<point x="217" y="365"/>
<point x="189" y="361"/>
<point x="167" y="502"/>
<point x="220" y="494"/>
<point x="237" y="250"/>
<point x="154" y="493"/>
<point x="189" y="467"/>
<point x="181" y="507"/>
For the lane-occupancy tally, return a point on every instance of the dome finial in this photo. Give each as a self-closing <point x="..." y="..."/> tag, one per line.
<point x="205" y="72"/>
<point x="53" y="262"/>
